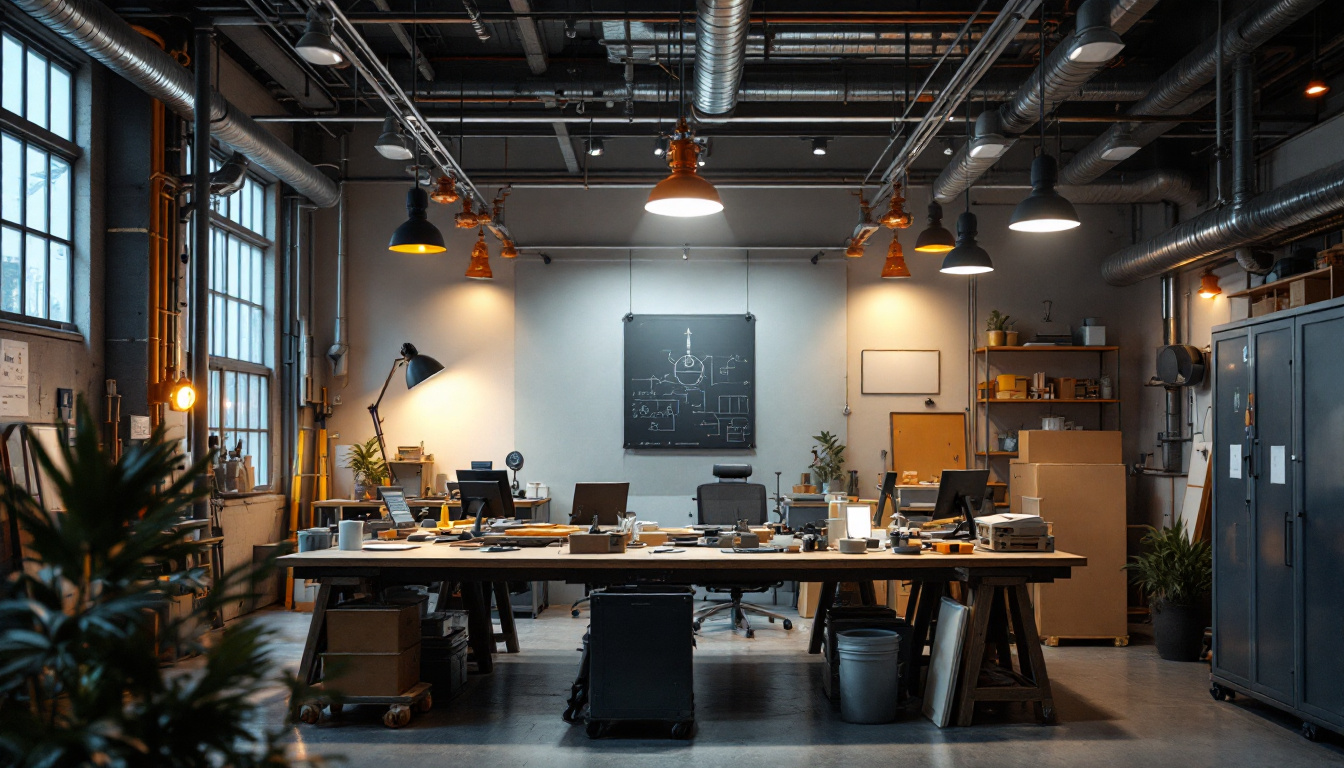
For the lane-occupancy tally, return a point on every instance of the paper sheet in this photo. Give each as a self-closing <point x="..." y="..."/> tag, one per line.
<point x="14" y="401"/>
<point x="13" y="363"/>
<point x="1234" y="461"/>
<point x="1278" y="465"/>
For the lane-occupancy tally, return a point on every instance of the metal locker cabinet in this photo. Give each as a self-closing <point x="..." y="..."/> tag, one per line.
<point x="1232" y="542"/>
<point x="1273" y="611"/>
<point x="1320" y="521"/>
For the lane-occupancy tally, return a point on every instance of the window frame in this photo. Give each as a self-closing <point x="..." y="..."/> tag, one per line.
<point x="29" y="133"/>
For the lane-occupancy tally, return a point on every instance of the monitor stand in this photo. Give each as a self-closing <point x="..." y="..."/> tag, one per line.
<point x="968" y="522"/>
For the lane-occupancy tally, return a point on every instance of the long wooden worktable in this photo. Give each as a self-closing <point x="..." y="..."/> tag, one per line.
<point x="995" y="591"/>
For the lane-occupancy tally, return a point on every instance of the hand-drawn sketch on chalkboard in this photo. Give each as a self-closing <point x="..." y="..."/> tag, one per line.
<point x="697" y="394"/>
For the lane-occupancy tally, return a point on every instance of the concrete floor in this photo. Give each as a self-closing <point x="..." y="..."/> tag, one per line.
<point x="759" y="703"/>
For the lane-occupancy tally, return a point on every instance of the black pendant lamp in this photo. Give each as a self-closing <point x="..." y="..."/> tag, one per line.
<point x="416" y="234"/>
<point x="1044" y="209"/>
<point x="968" y="258"/>
<point x="935" y="238"/>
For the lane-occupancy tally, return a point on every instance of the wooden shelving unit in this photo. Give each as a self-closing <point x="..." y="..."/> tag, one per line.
<point x="1317" y="285"/>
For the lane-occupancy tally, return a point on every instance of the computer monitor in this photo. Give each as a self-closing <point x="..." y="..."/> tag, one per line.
<point x="394" y="498"/>
<point x="887" y="495"/>
<point x="482" y="465"/>
<point x="960" y="493"/>
<point x="606" y="500"/>
<point x="482" y="499"/>
<point x="495" y="475"/>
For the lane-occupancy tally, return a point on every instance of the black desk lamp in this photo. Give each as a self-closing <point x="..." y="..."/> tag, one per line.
<point x="418" y="368"/>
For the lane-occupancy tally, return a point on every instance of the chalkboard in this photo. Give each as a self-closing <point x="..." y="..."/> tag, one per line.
<point x="690" y="381"/>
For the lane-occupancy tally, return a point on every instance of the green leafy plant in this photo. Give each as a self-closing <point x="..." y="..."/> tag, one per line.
<point x="999" y="322"/>
<point x="80" y="682"/>
<point x="828" y="458"/>
<point x="366" y="460"/>
<point x="1173" y="569"/>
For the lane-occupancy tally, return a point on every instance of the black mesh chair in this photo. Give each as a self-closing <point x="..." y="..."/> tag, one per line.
<point x="729" y="501"/>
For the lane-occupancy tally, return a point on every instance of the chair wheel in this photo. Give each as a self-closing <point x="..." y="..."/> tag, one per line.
<point x="1219" y="693"/>
<point x="425" y="704"/>
<point x="310" y="713"/>
<point x="1309" y="732"/>
<point x="397" y="716"/>
<point x="683" y="730"/>
<point x="574" y="612"/>
<point x="788" y="624"/>
<point x="751" y="633"/>
<point x="595" y="729"/>
<point x="770" y="619"/>
<point x="1048" y="716"/>
<point x="695" y="625"/>
<point x="336" y="709"/>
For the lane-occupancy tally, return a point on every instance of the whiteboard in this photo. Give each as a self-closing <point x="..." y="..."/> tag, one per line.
<point x="900" y="372"/>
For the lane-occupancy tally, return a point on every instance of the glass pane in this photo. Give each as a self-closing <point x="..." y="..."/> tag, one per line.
<point x="244" y="288"/>
<point x="37" y="89"/>
<point x="230" y="397"/>
<point x="254" y="403"/>
<point x="60" y="198"/>
<point x="265" y="403"/>
<point x="231" y="264"/>
<point x="35" y="277"/>
<point x="258" y="355"/>
<point x="213" y="397"/>
<point x="244" y="318"/>
<point x="11" y="179"/>
<point x="217" y="326"/>
<point x="12" y="63"/>
<point x="36" y="189"/>
<point x="230" y="329"/>
<point x="256" y="276"/>
<point x="60" y="103"/>
<point x="11" y="270"/>
<point x="60" y="282"/>
<point x="262" y="459"/>
<point x="243" y="417"/>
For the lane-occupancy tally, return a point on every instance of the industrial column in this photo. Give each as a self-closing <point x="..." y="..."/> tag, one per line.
<point x="200" y="259"/>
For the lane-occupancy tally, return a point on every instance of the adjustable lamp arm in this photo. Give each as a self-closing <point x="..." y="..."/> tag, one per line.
<point x="378" y="422"/>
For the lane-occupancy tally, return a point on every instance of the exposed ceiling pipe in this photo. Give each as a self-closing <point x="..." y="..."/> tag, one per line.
<point x="404" y="37"/>
<point x="1062" y="76"/>
<point x="474" y="16"/>
<point x="1155" y="187"/>
<point x="95" y="29"/>
<point x="722" y="26"/>
<point x="1178" y="92"/>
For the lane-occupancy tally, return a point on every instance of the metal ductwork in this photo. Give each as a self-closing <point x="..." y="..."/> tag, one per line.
<point x="1062" y="78"/>
<point x="1290" y="207"/>
<point x="95" y="29"/>
<point x="803" y="83"/>
<point x="1178" y="91"/>
<point x="721" y="27"/>
<point x="1155" y="187"/>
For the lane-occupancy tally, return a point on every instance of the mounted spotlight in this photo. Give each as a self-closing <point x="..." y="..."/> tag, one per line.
<point x="935" y="238"/>
<point x="968" y="258"/>
<point x="660" y="146"/>
<point x="445" y="191"/>
<point x="596" y="147"/>
<point x="989" y="141"/>
<point x="316" y="45"/>
<point x="181" y="395"/>
<point x="467" y="218"/>
<point x="1209" y="287"/>
<point x="571" y="31"/>
<point x="392" y="142"/>
<point x="819" y="145"/>
<point x="1316" y="86"/>
<point x="683" y="192"/>
<point x="1122" y="147"/>
<point x="479" y="268"/>
<point x="1094" y="42"/>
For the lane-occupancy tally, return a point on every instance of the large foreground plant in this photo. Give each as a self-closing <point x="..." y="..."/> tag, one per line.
<point x="80" y="683"/>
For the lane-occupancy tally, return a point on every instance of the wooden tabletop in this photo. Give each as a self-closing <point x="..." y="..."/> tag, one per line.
<point x="418" y="502"/>
<point x="703" y="564"/>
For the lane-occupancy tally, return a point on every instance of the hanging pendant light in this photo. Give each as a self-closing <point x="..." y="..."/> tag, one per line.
<point x="896" y="216"/>
<point x="417" y="234"/>
<point x="935" y="238"/>
<point x="968" y="258"/>
<point x="467" y="218"/>
<point x="1209" y="287"/>
<point x="894" y="267"/>
<point x="479" y="268"/>
<point x="683" y="193"/>
<point x="316" y="45"/>
<point x="391" y="142"/>
<point x="508" y="250"/>
<point x="445" y="191"/>
<point x="1044" y="210"/>
<point x="853" y="248"/>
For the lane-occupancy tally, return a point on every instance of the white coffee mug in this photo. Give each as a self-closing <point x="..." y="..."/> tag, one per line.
<point x="350" y="535"/>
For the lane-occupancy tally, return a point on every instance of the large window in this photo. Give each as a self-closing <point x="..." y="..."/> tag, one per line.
<point x="36" y="152"/>
<point x="241" y="346"/>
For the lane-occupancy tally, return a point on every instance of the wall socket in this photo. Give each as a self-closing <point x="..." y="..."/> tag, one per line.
<point x="65" y="405"/>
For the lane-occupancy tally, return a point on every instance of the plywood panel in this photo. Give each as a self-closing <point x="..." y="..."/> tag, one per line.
<point x="1195" y="507"/>
<point x="900" y="372"/>
<point x="928" y="443"/>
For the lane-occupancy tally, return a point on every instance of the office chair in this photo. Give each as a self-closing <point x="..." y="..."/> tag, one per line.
<point x="726" y="502"/>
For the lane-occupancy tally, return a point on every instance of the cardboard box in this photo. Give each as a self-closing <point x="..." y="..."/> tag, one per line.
<point x="596" y="543"/>
<point x="809" y="594"/>
<point x="1066" y="388"/>
<point x="373" y="629"/>
<point x="372" y="674"/>
<point x="1085" y="505"/>
<point x="1304" y="292"/>
<point x="1043" y="446"/>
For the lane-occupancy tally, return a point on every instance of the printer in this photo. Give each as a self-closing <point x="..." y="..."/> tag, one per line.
<point x="1013" y="533"/>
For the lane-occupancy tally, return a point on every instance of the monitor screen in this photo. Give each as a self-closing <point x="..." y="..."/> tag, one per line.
<point x="605" y="500"/>
<point x="397" y="508"/>
<point x="859" y="521"/>
<point x="499" y="476"/>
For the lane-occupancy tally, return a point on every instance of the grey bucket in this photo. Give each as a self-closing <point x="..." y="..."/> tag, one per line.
<point x="868" y="675"/>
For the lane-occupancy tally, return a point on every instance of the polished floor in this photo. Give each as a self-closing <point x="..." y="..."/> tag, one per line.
<point x="759" y="703"/>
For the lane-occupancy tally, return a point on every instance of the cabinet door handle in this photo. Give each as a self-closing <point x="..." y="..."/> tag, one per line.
<point x="1288" y="542"/>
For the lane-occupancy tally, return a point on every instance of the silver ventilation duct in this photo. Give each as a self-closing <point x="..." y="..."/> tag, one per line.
<point x="95" y="29"/>
<point x="1063" y="79"/>
<point x="721" y="27"/>
<point x="1178" y="91"/>
<point x="1155" y="187"/>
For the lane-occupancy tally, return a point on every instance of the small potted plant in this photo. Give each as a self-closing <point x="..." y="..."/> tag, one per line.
<point x="996" y="328"/>
<point x="1176" y="575"/>
<point x="828" y="462"/>
<point x="366" y="461"/>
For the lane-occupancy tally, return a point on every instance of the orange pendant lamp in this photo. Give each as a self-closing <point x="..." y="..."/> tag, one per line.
<point x="467" y="218"/>
<point x="508" y="250"/>
<point x="479" y="268"/>
<point x="445" y="191"/>
<point x="894" y="267"/>
<point x="684" y="193"/>
<point x="896" y="216"/>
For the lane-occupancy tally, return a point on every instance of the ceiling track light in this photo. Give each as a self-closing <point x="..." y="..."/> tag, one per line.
<point x="1094" y="42"/>
<point x="1122" y="147"/>
<point x="316" y="46"/>
<point x="445" y="191"/>
<point x="596" y="147"/>
<point x="820" y="145"/>
<point x="1316" y="86"/>
<point x="660" y="146"/>
<point x="392" y="143"/>
<point x="683" y="193"/>
<point x="895" y="268"/>
<point x="467" y="218"/>
<point x="968" y="258"/>
<point x="935" y="238"/>
<point x="1208" y="286"/>
<point x="479" y="267"/>
<point x="417" y="234"/>
<point x="896" y="216"/>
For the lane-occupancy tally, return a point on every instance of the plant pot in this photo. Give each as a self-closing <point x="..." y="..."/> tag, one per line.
<point x="363" y="492"/>
<point x="1011" y="338"/>
<point x="994" y="338"/>
<point x="1178" y="630"/>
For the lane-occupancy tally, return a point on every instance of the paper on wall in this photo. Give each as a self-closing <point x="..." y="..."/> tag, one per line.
<point x="1234" y="461"/>
<point x="14" y="401"/>
<point x="14" y="364"/>
<point x="1278" y="469"/>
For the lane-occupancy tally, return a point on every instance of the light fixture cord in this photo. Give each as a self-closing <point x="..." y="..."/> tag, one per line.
<point x="1040" y="75"/>
<point x="415" y="76"/>
<point x="681" y="64"/>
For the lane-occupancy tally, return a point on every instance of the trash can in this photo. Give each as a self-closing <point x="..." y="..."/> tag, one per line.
<point x="869" y="675"/>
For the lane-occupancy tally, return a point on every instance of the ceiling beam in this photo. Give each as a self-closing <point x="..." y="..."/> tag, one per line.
<point x="566" y="148"/>
<point x="404" y="37"/>
<point x="530" y="36"/>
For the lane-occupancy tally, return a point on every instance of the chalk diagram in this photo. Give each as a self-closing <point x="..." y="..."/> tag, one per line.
<point x="696" y="395"/>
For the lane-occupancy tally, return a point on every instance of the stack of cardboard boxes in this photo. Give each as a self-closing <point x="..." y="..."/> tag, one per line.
<point x="1079" y="479"/>
<point x="372" y="650"/>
